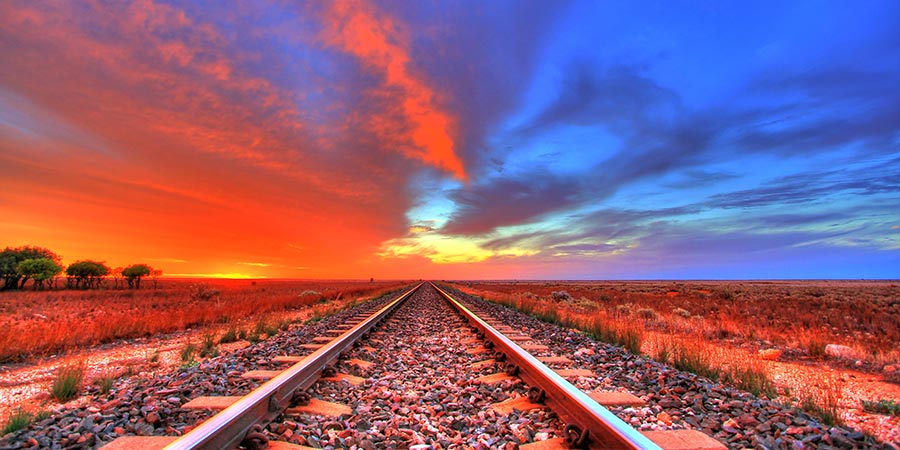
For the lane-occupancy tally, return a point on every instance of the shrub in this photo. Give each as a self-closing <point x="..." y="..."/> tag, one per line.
<point x="623" y="310"/>
<point x="203" y="292"/>
<point x="68" y="381"/>
<point x="815" y="344"/>
<point x="682" y="312"/>
<point x="647" y="314"/>
<point x="561" y="296"/>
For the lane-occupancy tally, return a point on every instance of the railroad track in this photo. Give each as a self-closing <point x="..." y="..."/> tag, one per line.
<point x="432" y="362"/>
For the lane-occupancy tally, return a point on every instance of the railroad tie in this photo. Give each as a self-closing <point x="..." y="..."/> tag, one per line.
<point x="575" y="373"/>
<point x="159" y="442"/>
<point x="535" y="347"/>
<point x="667" y="440"/>
<point x="554" y="359"/>
<point x="359" y="363"/>
<point x="318" y="407"/>
<point x="519" y="404"/>
<point x="616" y="398"/>
<point x="495" y="378"/>
<point x="483" y="364"/>
<point x="352" y="379"/>
<point x="260" y="374"/>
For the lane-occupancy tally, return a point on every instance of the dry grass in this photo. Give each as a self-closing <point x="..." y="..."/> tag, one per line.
<point x="598" y="324"/>
<point x="42" y="323"/>
<point x="714" y="363"/>
<point x="801" y="315"/>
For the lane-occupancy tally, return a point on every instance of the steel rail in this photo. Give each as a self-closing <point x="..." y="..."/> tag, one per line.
<point x="230" y="426"/>
<point x="605" y="430"/>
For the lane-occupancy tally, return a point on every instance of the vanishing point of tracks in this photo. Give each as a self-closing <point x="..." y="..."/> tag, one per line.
<point x="413" y="373"/>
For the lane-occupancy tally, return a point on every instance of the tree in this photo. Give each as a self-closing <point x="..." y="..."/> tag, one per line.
<point x="86" y="274"/>
<point x="10" y="258"/>
<point x="134" y="272"/>
<point x="39" y="269"/>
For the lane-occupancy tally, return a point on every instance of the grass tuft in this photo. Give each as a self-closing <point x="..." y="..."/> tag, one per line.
<point x="105" y="382"/>
<point x="18" y="420"/>
<point x="68" y="381"/>
<point x="229" y="336"/>
<point x="209" y="349"/>
<point x="883" y="406"/>
<point x="187" y="355"/>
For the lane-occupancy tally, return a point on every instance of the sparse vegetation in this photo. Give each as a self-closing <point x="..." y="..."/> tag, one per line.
<point x="18" y="419"/>
<point x="883" y="406"/>
<point x="68" y="381"/>
<point x="35" y="323"/>
<point x="208" y="348"/>
<point x="187" y="355"/>
<point x="647" y="313"/>
<point x="863" y="315"/>
<point x="229" y="336"/>
<point x="105" y="382"/>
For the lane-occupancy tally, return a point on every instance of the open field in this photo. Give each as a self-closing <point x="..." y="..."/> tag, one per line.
<point x="829" y="347"/>
<point x="38" y="323"/>
<point x="798" y="317"/>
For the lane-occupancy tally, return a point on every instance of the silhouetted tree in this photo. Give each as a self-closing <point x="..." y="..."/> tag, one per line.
<point x="86" y="274"/>
<point x="134" y="272"/>
<point x="11" y="257"/>
<point x="39" y="269"/>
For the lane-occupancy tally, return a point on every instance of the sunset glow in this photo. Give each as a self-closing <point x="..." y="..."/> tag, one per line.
<point x="357" y="139"/>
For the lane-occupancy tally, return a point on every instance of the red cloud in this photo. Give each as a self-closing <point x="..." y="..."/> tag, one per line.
<point x="379" y="43"/>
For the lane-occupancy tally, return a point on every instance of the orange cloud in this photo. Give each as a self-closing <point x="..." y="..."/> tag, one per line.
<point x="139" y="132"/>
<point x="357" y="28"/>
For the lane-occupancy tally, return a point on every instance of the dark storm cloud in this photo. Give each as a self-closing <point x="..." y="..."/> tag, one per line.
<point x="648" y="117"/>
<point x="618" y="97"/>
<point x="509" y="201"/>
<point x="836" y="108"/>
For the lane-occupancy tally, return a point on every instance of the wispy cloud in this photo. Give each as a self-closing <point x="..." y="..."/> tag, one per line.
<point x="254" y="264"/>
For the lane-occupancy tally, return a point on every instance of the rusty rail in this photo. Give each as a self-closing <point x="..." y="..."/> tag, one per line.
<point x="589" y="424"/>
<point x="230" y="426"/>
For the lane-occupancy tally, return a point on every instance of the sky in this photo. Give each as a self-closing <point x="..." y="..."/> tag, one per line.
<point x="457" y="139"/>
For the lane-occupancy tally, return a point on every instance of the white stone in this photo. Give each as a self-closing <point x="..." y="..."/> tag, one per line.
<point x="838" y="351"/>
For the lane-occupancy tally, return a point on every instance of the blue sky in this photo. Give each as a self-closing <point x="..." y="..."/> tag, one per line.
<point x="503" y="139"/>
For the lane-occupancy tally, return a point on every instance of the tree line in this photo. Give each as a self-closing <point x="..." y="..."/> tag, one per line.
<point x="42" y="266"/>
